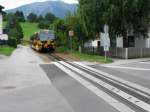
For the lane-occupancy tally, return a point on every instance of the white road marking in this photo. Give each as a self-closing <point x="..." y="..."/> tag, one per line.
<point x="130" y="68"/>
<point x="111" y="88"/>
<point x="111" y="101"/>
<point x="115" y="82"/>
<point x="145" y="63"/>
<point x="131" y="84"/>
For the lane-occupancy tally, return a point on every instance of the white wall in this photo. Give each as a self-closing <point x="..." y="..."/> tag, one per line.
<point x="88" y="44"/>
<point x="3" y="37"/>
<point x="149" y="32"/>
<point x="1" y="24"/>
<point x="140" y="43"/>
<point x="148" y="42"/>
<point x="119" y="42"/>
<point x="92" y="43"/>
<point x="95" y="43"/>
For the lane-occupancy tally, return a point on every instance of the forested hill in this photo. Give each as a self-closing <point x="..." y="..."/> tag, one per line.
<point x="58" y="8"/>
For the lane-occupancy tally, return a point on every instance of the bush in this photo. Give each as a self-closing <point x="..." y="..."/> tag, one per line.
<point x="12" y="42"/>
<point x="14" y="29"/>
<point x="43" y="25"/>
<point x="62" y="49"/>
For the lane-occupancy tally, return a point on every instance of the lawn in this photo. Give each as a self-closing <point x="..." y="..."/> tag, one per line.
<point x="28" y="29"/>
<point x="6" y="50"/>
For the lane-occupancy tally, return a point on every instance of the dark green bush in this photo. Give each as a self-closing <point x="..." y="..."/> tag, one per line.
<point x="43" y="25"/>
<point x="12" y="42"/>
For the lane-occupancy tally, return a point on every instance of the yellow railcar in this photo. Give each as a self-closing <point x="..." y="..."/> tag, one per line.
<point x="43" y="40"/>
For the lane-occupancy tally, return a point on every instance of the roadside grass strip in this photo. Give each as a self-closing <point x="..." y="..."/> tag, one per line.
<point x="6" y="50"/>
<point x="131" y="99"/>
<point x="107" y="98"/>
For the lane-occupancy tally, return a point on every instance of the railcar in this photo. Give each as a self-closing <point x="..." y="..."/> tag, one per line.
<point x="43" y="40"/>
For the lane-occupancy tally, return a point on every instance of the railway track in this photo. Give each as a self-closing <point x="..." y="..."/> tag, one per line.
<point x="54" y="57"/>
<point x="131" y="94"/>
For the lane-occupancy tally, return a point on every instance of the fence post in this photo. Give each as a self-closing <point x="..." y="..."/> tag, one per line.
<point x="116" y="51"/>
<point x="80" y="49"/>
<point x="141" y="52"/>
<point x="126" y="53"/>
<point x="93" y="50"/>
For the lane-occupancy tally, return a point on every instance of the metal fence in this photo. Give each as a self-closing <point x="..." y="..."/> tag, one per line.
<point x="124" y="53"/>
<point x="93" y="50"/>
<point x="129" y="53"/>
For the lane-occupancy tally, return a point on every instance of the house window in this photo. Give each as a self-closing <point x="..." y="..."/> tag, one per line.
<point x="98" y="44"/>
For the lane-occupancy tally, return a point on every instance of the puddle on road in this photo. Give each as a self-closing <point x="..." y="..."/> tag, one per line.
<point x="8" y="87"/>
<point x="33" y="62"/>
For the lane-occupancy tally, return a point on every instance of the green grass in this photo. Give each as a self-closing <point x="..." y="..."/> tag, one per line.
<point x="92" y="58"/>
<point x="83" y="56"/>
<point x="28" y="29"/>
<point x="6" y="50"/>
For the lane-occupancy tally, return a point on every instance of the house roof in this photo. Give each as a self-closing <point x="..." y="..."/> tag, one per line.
<point x="1" y="11"/>
<point x="1" y="7"/>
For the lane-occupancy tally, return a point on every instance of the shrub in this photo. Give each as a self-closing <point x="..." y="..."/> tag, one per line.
<point x="12" y="42"/>
<point x="14" y="29"/>
<point x="43" y="25"/>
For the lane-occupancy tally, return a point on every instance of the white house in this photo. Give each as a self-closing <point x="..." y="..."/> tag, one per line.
<point x="119" y="41"/>
<point x="3" y="37"/>
<point x="93" y="43"/>
<point x="141" y="42"/>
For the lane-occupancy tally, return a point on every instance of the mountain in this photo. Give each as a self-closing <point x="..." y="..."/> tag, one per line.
<point x="59" y="8"/>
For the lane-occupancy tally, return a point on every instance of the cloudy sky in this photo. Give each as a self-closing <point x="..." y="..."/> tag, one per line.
<point x="9" y="4"/>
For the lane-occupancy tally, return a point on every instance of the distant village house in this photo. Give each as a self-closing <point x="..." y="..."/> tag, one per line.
<point x="133" y="47"/>
<point x="3" y="37"/>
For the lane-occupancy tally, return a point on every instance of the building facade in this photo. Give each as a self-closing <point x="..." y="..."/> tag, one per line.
<point x="3" y="37"/>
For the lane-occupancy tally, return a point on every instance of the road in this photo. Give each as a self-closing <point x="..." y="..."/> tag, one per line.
<point x="30" y="85"/>
<point x="66" y="78"/>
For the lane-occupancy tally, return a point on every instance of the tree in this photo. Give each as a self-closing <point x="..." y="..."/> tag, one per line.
<point x="43" y="25"/>
<point x="92" y="14"/>
<point x="120" y="15"/>
<point x="75" y="23"/>
<point x="71" y="22"/>
<point x="60" y="29"/>
<point x="50" y="17"/>
<point x="40" y="18"/>
<point x="32" y="17"/>
<point x="129" y="15"/>
<point x="14" y="29"/>
<point x="20" y="16"/>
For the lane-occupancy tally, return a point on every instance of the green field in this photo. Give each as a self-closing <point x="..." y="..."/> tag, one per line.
<point x="6" y="50"/>
<point x="28" y="29"/>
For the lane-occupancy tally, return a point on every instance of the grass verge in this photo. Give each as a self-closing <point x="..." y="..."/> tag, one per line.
<point x="92" y="58"/>
<point x="6" y="50"/>
<point x="65" y="53"/>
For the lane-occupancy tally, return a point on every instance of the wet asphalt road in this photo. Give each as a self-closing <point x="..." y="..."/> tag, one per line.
<point x="29" y="85"/>
<point x="136" y="75"/>
<point x="80" y="98"/>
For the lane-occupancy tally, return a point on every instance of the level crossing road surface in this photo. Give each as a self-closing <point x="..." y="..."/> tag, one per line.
<point x="27" y="84"/>
<point x="137" y="72"/>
